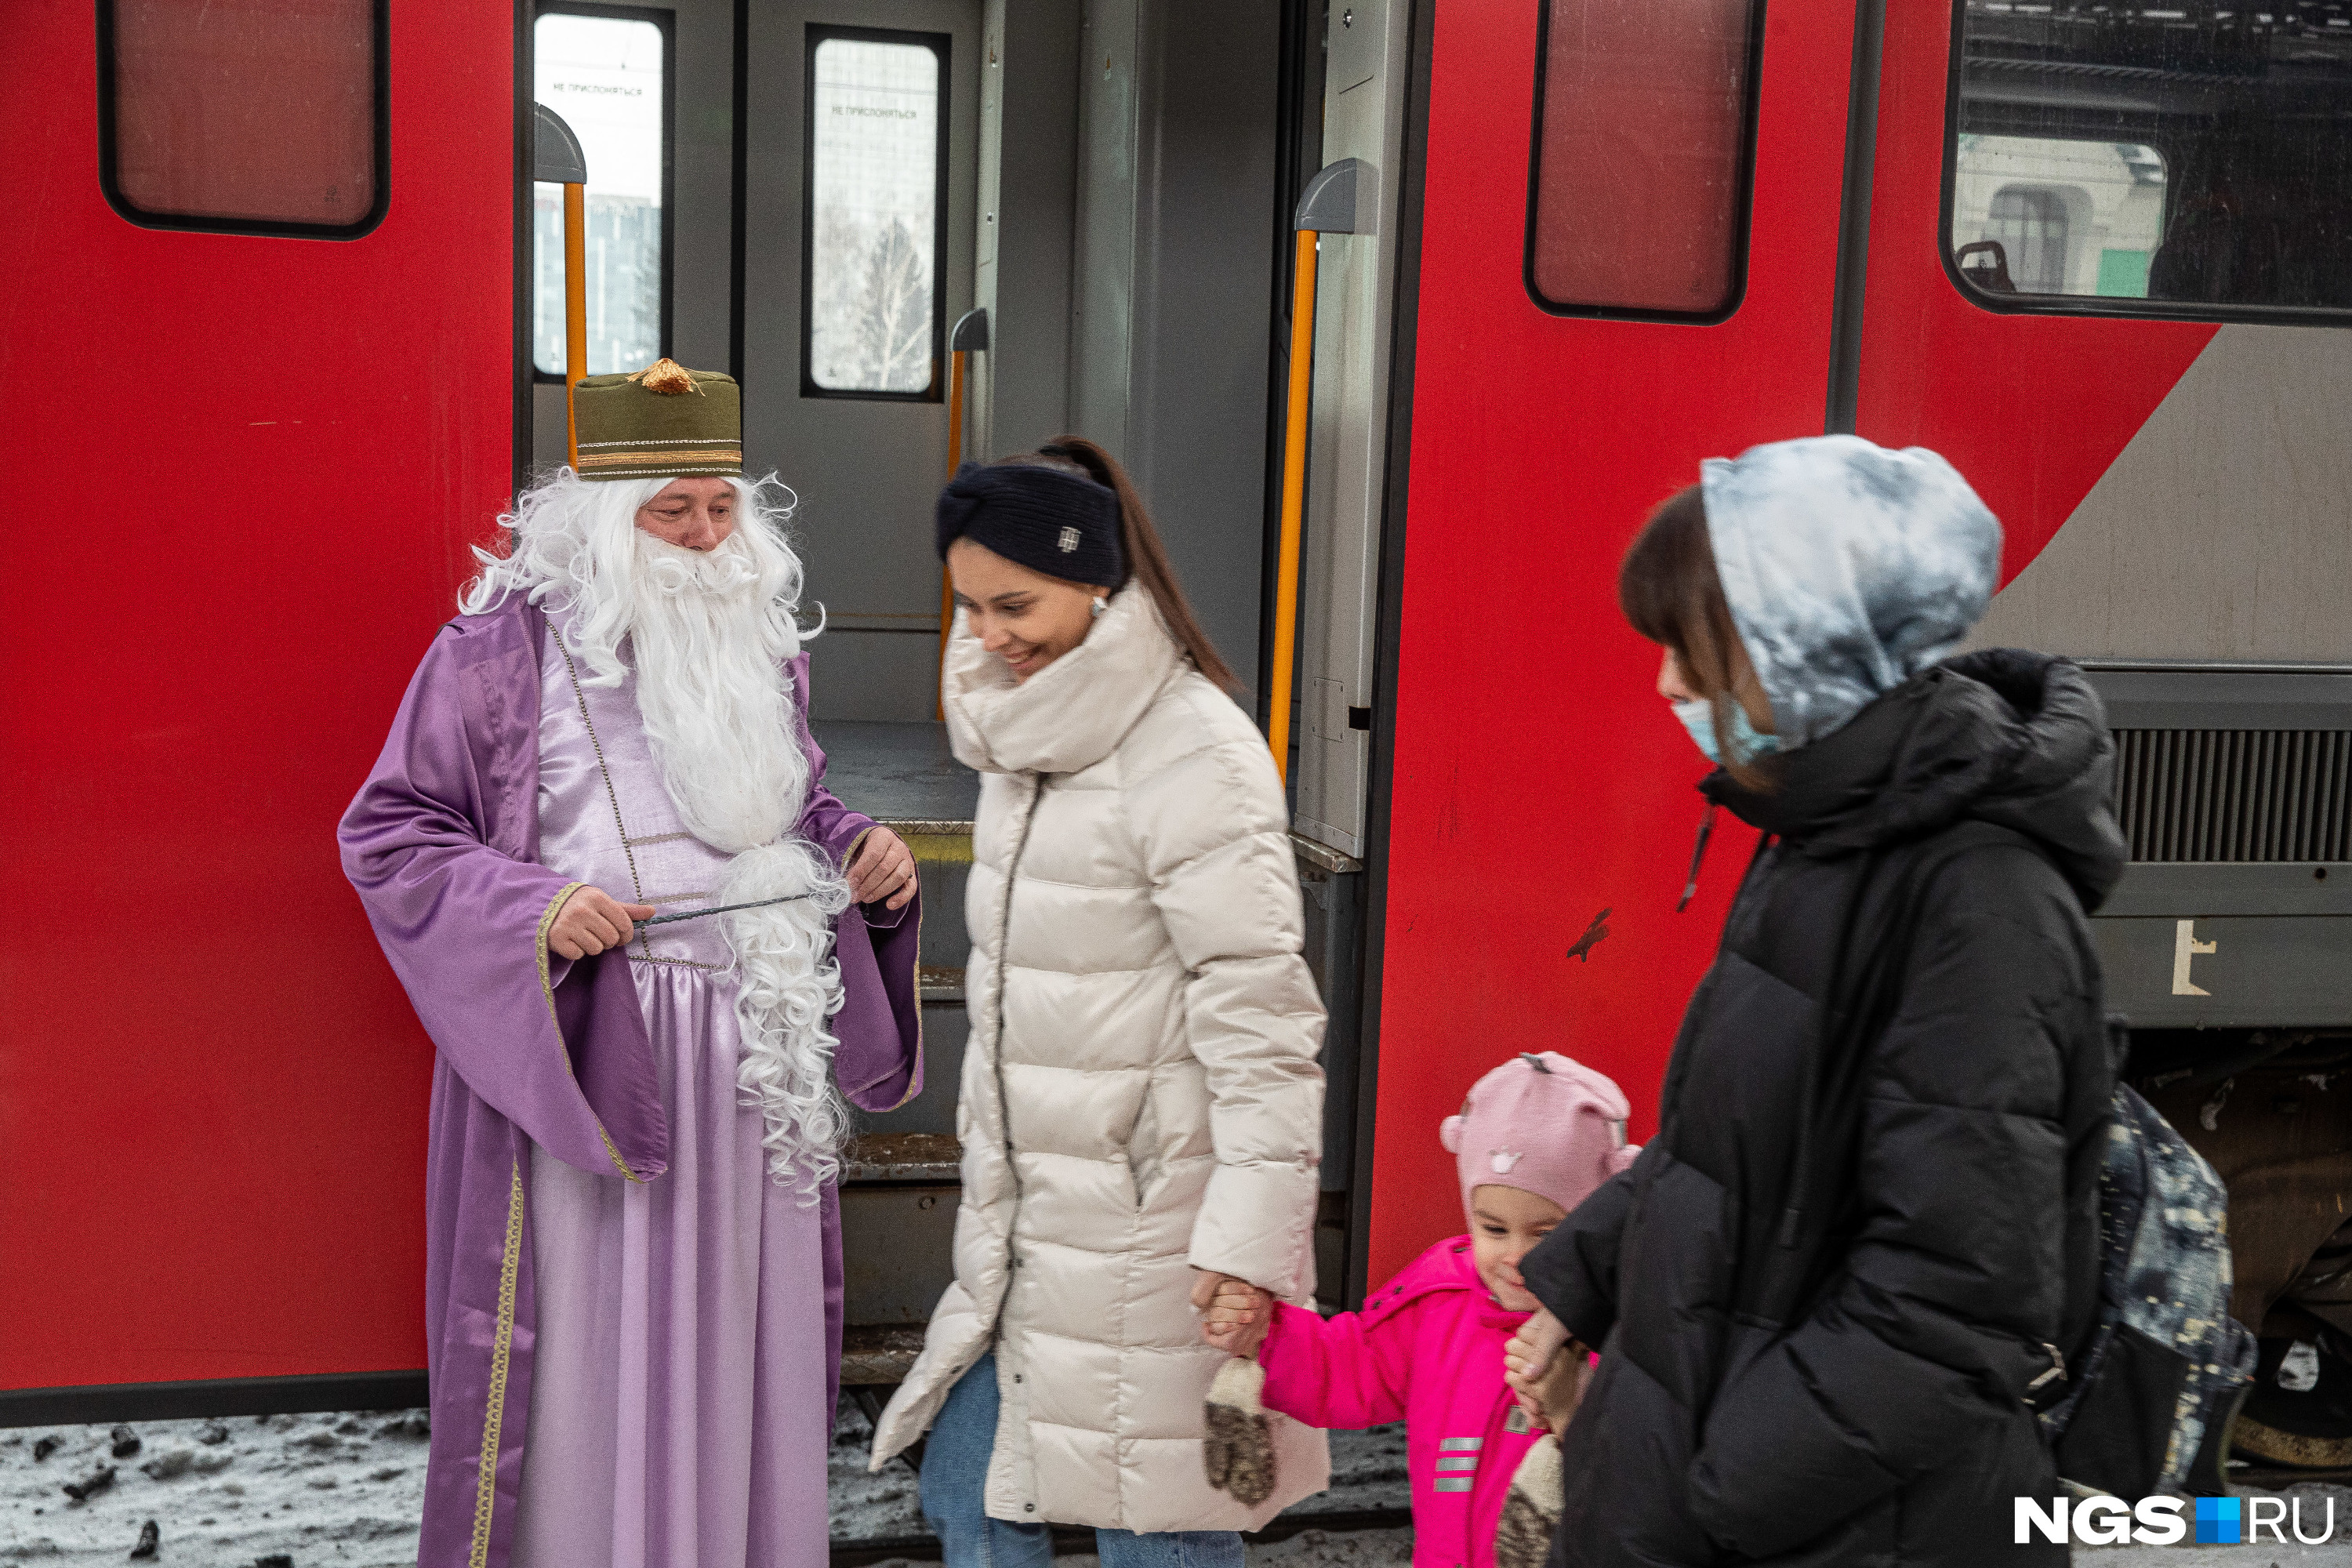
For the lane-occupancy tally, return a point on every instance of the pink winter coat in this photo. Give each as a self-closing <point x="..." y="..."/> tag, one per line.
<point x="1427" y="1347"/>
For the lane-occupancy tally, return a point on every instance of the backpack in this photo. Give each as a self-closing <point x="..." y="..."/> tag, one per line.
<point x="2148" y="1405"/>
<point x="2143" y="1405"/>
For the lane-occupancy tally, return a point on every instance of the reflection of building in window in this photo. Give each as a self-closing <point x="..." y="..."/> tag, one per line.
<point x="2030" y="225"/>
<point x="623" y="255"/>
<point x="874" y="166"/>
<point x="603" y="75"/>
<point x="2071" y="217"/>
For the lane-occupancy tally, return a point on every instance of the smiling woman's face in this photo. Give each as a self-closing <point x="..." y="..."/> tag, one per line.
<point x="1023" y="617"/>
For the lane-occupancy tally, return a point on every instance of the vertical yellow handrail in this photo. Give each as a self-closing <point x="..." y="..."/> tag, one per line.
<point x="1294" y="502"/>
<point x="575" y="308"/>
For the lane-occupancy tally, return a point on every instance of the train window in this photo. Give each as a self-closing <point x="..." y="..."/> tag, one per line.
<point x="2193" y="160"/>
<point x="1638" y="198"/>
<point x="875" y="185"/>
<point x="606" y="71"/>
<point x="249" y="116"/>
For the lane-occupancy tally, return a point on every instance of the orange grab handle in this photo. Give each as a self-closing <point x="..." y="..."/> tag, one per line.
<point x="1293" y="501"/>
<point x="575" y="308"/>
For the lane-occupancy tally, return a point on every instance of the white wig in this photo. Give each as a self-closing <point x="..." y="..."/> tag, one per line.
<point x="708" y="636"/>
<point x="573" y="542"/>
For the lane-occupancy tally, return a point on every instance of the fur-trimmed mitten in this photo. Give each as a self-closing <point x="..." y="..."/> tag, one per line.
<point x="1239" y="1446"/>
<point x="1531" y="1513"/>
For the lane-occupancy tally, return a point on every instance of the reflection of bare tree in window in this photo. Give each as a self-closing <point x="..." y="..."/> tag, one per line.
<point x="894" y="322"/>
<point x="872" y="321"/>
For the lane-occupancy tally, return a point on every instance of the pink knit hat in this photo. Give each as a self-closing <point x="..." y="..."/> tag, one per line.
<point x="1544" y="1124"/>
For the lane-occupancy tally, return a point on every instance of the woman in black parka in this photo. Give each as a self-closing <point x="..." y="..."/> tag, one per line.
<point x="1826" y="1290"/>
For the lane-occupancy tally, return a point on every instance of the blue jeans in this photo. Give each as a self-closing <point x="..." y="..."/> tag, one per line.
<point x="955" y="1477"/>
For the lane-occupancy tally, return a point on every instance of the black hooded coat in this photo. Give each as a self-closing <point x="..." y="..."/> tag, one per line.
<point x="1822" y="1358"/>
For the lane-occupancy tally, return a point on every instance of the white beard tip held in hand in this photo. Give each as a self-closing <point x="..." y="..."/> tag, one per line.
<point x="1238" y="1449"/>
<point x="1531" y="1511"/>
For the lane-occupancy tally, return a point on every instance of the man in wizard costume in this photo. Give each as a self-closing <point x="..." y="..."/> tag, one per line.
<point x="633" y="1291"/>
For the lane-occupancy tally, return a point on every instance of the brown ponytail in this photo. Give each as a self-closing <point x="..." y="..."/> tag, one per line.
<point x="1147" y="558"/>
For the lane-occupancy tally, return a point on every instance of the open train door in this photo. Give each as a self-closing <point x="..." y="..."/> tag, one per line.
<point x="258" y="359"/>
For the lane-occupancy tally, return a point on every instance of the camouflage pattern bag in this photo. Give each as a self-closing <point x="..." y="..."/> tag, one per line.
<point x="2147" y="1406"/>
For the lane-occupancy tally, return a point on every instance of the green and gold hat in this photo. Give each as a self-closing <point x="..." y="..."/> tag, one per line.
<point x="663" y="423"/>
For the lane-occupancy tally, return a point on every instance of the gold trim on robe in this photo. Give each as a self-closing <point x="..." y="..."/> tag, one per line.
<point x="501" y="1347"/>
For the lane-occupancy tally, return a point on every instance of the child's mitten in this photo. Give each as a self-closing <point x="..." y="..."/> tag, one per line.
<point x="1239" y="1447"/>
<point x="1531" y="1511"/>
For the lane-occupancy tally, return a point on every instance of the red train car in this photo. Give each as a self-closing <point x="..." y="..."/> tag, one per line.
<point x="260" y="333"/>
<point x="2096" y="255"/>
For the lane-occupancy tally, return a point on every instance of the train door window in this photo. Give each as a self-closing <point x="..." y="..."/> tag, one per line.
<point x="876" y="183"/>
<point x="2190" y="161"/>
<point x="606" y="69"/>
<point x="245" y="116"/>
<point x="1638" y="196"/>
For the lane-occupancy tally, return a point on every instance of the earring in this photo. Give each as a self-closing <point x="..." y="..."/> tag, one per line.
<point x="1100" y="606"/>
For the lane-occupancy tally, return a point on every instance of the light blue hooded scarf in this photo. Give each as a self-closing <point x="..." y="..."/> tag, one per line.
<point x="1848" y="569"/>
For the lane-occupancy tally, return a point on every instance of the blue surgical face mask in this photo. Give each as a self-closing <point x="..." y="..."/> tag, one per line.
<point x="1748" y="742"/>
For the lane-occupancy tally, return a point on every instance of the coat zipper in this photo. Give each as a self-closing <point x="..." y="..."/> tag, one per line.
<point x="996" y="1051"/>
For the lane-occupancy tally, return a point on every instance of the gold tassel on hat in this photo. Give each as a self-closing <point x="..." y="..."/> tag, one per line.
<point x="667" y="375"/>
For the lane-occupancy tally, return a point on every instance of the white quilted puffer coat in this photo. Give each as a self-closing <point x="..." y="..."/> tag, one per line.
<point x="1140" y="1094"/>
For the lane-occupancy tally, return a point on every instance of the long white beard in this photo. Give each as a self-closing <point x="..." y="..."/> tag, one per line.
<point x="719" y="716"/>
<point x="709" y="633"/>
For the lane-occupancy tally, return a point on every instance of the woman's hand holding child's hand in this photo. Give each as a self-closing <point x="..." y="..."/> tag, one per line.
<point x="1545" y="1367"/>
<point x="1532" y="1348"/>
<point x="1235" y="1313"/>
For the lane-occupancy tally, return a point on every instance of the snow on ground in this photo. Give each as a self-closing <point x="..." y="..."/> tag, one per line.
<point x="344" y="1491"/>
<point x="318" y="1490"/>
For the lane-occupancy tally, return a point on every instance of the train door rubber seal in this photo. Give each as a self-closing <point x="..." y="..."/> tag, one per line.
<point x="1854" y="217"/>
<point x="1388" y="618"/>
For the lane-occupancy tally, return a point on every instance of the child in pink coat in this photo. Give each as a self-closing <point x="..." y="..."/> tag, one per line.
<point x="1535" y="1136"/>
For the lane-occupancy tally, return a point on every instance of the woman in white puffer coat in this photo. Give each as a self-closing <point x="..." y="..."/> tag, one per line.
<point x="1141" y="1108"/>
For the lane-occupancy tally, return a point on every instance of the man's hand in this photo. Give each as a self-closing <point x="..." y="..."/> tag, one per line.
<point x="590" y="920"/>
<point x="1235" y="1313"/>
<point x="883" y="867"/>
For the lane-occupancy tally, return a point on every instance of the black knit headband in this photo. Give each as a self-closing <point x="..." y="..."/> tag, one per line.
<point x="1041" y="518"/>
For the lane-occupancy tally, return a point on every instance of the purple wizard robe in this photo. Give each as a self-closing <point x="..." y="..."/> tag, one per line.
<point x="443" y="843"/>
